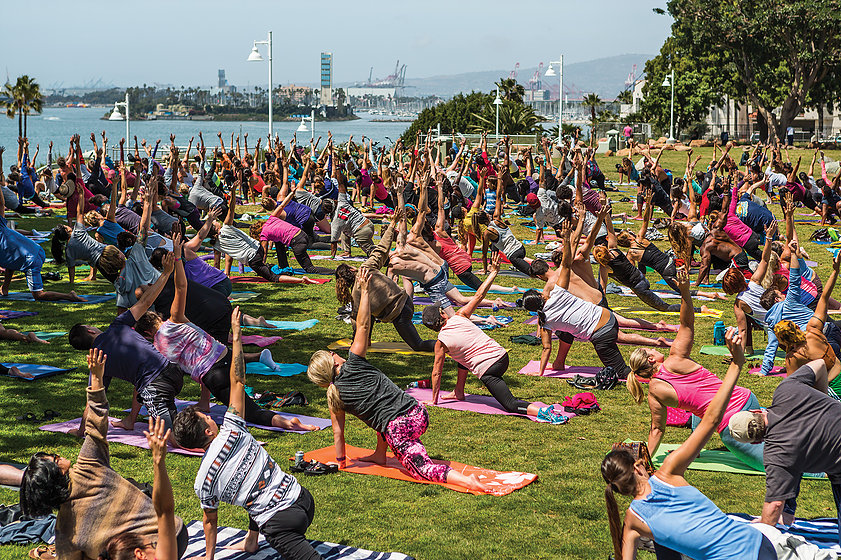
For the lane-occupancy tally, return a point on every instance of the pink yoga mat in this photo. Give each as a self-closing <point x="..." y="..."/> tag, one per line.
<point x="473" y="403"/>
<point x="776" y="371"/>
<point x="533" y="321"/>
<point x="258" y="340"/>
<point x="533" y="368"/>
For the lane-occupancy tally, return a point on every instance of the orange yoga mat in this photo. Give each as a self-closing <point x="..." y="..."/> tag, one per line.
<point x="503" y="483"/>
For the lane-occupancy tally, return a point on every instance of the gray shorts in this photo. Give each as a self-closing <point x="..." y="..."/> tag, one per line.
<point x="438" y="287"/>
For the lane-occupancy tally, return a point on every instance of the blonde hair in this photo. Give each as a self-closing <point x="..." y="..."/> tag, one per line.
<point x="322" y="372"/>
<point x="771" y="270"/>
<point x="112" y="261"/>
<point x="92" y="218"/>
<point x="640" y="367"/>
<point x="602" y="256"/>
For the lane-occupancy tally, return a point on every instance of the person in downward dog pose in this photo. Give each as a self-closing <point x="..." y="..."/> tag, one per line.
<point x="355" y="386"/>
<point x="475" y="351"/>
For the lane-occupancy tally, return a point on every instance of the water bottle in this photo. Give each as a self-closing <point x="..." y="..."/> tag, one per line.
<point x="299" y="457"/>
<point x="718" y="333"/>
<point x="412" y="385"/>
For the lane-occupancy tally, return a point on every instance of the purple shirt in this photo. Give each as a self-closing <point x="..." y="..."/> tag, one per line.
<point x="202" y="273"/>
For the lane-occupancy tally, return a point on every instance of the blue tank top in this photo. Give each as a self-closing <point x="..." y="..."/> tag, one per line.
<point x="685" y="520"/>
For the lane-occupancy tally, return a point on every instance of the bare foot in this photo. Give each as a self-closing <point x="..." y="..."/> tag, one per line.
<point x="499" y="302"/>
<point x="74" y="297"/>
<point x="378" y="458"/>
<point x="473" y="483"/>
<point x="344" y="255"/>
<point x="261" y="321"/>
<point x="247" y="544"/>
<point x="664" y="342"/>
<point x="455" y="395"/>
<point x="666" y="327"/>
<point x="76" y="432"/>
<point x="296" y="424"/>
<point x="32" y="337"/>
<point x="559" y="366"/>
<point x="705" y="309"/>
<point x="88" y="278"/>
<point x="125" y="424"/>
<point x="307" y="280"/>
<point x="15" y="372"/>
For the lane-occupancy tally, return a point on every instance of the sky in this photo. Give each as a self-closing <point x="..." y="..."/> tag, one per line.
<point x="185" y="42"/>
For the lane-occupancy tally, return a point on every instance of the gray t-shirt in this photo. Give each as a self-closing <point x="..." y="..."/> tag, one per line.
<point x="10" y="198"/>
<point x="803" y="435"/>
<point x="162" y="221"/>
<point x="82" y="248"/>
<point x="138" y="271"/>
<point x="369" y="395"/>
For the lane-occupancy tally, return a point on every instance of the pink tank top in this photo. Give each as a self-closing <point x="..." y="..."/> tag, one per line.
<point x="696" y="390"/>
<point x="456" y="257"/>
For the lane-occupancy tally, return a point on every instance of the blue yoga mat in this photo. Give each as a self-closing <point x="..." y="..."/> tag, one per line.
<point x="286" y="370"/>
<point x="290" y="325"/>
<point x="38" y="371"/>
<point x="505" y="320"/>
<point x="463" y="288"/>
<point x="94" y="298"/>
<point x="716" y="285"/>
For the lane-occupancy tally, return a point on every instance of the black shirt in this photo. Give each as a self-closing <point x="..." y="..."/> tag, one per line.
<point x="205" y="307"/>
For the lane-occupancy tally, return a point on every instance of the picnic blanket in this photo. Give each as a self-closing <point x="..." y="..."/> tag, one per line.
<point x="287" y="325"/>
<point x="227" y="536"/>
<point x="821" y="532"/>
<point x="91" y="299"/>
<point x="37" y="370"/>
<point x="503" y="483"/>
<point x="381" y="347"/>
<point x="482" y="404"/>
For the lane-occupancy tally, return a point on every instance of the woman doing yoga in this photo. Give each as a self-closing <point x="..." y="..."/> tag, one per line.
<point x="680" y="382"/>
<point x="666" y="509"/>
<point x="355" y="386"/>
<point x="500" y="236"/>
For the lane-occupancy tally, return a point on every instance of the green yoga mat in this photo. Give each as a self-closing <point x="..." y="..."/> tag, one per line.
<point x="48" y="335"/>
<point x="715" y="461"/>
<point x="723" y="351"/>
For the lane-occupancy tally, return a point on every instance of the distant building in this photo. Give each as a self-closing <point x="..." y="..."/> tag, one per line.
<point x="385" y="92"/>
<point x="300" y="95"/>
<point x="222" y="80"/>
<point x="326" y="93"/>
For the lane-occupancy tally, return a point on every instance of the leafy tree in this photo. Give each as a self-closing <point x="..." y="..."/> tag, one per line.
<point x="514" y="118"/>
<point x="778" y="51"/>
<point x="455" y="114"/>
<point x="23" y="97"/>
<point x="510" y="89"/>
<point x="593" y="102"/>
<point x="625" y="96"/>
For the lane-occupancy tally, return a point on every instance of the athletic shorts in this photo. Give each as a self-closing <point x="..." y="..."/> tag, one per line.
<point x="438" y="287"/>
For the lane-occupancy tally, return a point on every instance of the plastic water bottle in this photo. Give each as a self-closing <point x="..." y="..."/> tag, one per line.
<point x="718" y="333"/>
<point x="412" y="385"/>
<point x="299" y="457"/>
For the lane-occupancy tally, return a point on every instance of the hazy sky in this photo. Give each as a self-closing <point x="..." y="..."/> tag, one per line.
<point x="184" y="42"/>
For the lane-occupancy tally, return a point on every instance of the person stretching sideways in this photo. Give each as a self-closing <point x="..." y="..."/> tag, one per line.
<point x="475" y="351"/>
<point x="666" y="509"/>
<point x="94" y="502"/>
<point x="355" y="386"/>
<point x="236" y="469"/>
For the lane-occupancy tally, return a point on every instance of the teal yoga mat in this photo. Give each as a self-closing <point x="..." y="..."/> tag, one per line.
<point x="91" y="299"/>
<point x="49" y="335"/>
<point x="723" y="351"/>
<point x="715" y="460"/>
<point x="286" y="370"/>
<point x="38" y="371"/>
<point x="290" y="325"/>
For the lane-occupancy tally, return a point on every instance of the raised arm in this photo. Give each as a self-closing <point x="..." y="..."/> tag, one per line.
<point x="149" y="296"/>
<point x="162" y="496"/>
<point x="682" y="344"/>
<point x="363" y="315"/>
<point x="116" y="186"/>
<point x="197" y="239"/>
<point x="819" y="318"/>
<point x="237" y="399"/>
<point x="179" y="302"/>
<point x="762" y="267"/>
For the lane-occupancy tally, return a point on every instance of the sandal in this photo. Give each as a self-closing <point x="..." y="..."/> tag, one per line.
<point x="49" y="414"/>
<point x="583" y="382"/>
<point x="313" y="468"/>
<point x="43" y="552"/>
<point x="28" y="417"/>
<point x="292" y="398"/>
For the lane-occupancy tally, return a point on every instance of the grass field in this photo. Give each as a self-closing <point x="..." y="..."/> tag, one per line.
<point x="562" y="515"/>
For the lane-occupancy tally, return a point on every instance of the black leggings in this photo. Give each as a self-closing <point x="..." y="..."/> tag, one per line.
<point x="470" y="279"/>
<point x="259" y="266"/>
<point x="752" y="247"/>
<point x="604" y="342"/>
<point x="299" y="246"/>
<point x="408" y="332"/>
<point x="518" y="259"/>
<point x="492" y="379"/>
<point x="218" y="382"/>
<point x="285" y="530"/>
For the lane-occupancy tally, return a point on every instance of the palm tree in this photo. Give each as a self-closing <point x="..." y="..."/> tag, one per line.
<point x="592" y="101"/>
<point x="511" y="90"/>
<point x="11" y="103"/>
<point x="625" y="96"/>
<point x="31" y="97"/>
<point x="514" y="118"/>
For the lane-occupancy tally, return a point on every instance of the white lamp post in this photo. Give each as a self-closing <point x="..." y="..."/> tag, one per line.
<point x="303" y="126"/>
<point x="116" y="116"/>
<point x="549" y="73"/>
<point x="497" y="102"/>
<point x="670" y="81"/>
<point x="256" y="57"/>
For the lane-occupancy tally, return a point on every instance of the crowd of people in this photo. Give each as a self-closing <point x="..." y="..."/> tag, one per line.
<point x="157" y="222"/>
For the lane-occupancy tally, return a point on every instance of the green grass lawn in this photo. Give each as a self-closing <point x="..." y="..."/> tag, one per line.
<point x="561" y="515"/>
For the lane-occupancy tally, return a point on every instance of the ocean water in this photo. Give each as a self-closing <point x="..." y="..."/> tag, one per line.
<point x="58" y="124"/>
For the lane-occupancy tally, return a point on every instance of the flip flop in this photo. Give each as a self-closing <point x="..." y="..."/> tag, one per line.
<point x="314" y="468"/>
<point x="43" y="552"/>
<point x="28" y="417"/>
<point x="49" y="414"/>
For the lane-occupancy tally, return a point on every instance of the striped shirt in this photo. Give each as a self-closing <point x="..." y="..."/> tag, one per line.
<point x="236" y="470"/>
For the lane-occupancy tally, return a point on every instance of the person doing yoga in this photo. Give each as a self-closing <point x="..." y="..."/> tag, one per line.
<point x="559" y="310"/>
<point x="475" y="351"/>
<point x="356" y="387"/>
<point x="680" y="382"/>
<point x="666" y="509"/>
<point x="500" y="236"/>
<point x="237" y="470"/>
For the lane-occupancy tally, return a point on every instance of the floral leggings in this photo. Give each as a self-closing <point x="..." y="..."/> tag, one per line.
<point x="403" y="436"/>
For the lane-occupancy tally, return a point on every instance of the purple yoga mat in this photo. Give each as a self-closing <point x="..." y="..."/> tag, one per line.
<point x="533" y="321"/>
<point x="473" y="403"/>
<point x="217" y="412"/>
<point x="8" y="314"/>
<point x="533" y="368"/>
<point x="258" y="340"/>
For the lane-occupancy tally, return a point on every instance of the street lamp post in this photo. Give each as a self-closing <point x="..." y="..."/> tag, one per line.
<point x="549" y="73"/>
<point x="670" y="81"/>
<point x="497" y="102"/>
<point x="115" y="115"/>
<point x="256" y="57"/>
<point x="303" y="127"/>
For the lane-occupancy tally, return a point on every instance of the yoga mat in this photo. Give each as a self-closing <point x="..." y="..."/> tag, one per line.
<point x="381" y="347"/>
<point x="49" y="335"/>
<point x="242" y="296"/>
<point x="776" y="371"/>
<point x="337" y="258"/>
<point x="503" y="483"/>
<point x="821" y="532"/>
<point x="37" y="371"/>
<point x="260" y="280"/>
<point x="468" y="289"/>
<point x="533" y="321"/>
<point x="715" y="313"/>
<point x="286" y="370"/>
<point x="258" y="340"/>
<point x="227" y="536"/>
<point x="482" y="404"/>
<point x="505" y="320"/>
<point x="723" y="351"/>
<point x="714" y="460"/>
<point x="716" y="285"/>
<point x="9" y="314"/>
<point x="423" y="300"/>
<point x="92" y="298"/>
<point x="533" y="368"/>
<point x="289" y="325"/>
<point x="217" y="412"/>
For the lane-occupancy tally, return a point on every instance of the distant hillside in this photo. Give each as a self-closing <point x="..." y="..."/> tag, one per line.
<point x="604" y="76"/>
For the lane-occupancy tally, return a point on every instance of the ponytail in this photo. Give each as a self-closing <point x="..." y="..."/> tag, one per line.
<point x="618" y="473"/>
<point x="322" y="372"/>
<point x="345" y="279"/>
<point x="57" y="242"/>
<point x="640" y="367"/>
<point x="613" y="520"/>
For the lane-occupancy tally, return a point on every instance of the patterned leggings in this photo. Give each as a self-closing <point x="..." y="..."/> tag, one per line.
<point x="403" y="436"/>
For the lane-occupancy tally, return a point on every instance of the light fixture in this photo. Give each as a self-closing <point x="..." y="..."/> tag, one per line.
<point x="550" y="72"/>
<point x="303" y="126"/>
<point x="116" y="115"/>
<point x="666" y="82"/>
<point x="255" y="55"/>
<point x="497" y="101"/>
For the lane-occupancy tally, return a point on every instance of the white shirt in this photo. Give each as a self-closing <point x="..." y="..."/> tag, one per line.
<point x="236" y="243"/>
<point x="568" y="313"/>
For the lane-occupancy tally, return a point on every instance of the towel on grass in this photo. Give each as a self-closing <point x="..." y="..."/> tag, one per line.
<point x="227" y="536"/>
<point x="503" y="483"/>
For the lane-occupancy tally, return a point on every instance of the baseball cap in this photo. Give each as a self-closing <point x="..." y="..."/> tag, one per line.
<point x="431" y="317"/>
<point x="532" y="200"/>
<point x="739" y="426"/>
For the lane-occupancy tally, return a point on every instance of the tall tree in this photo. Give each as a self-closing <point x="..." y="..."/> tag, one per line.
<point x="593" y="102"/>
<point x="779" y="50"/>
<point x="511" y="90"/>
<point x="31" y="98"/>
